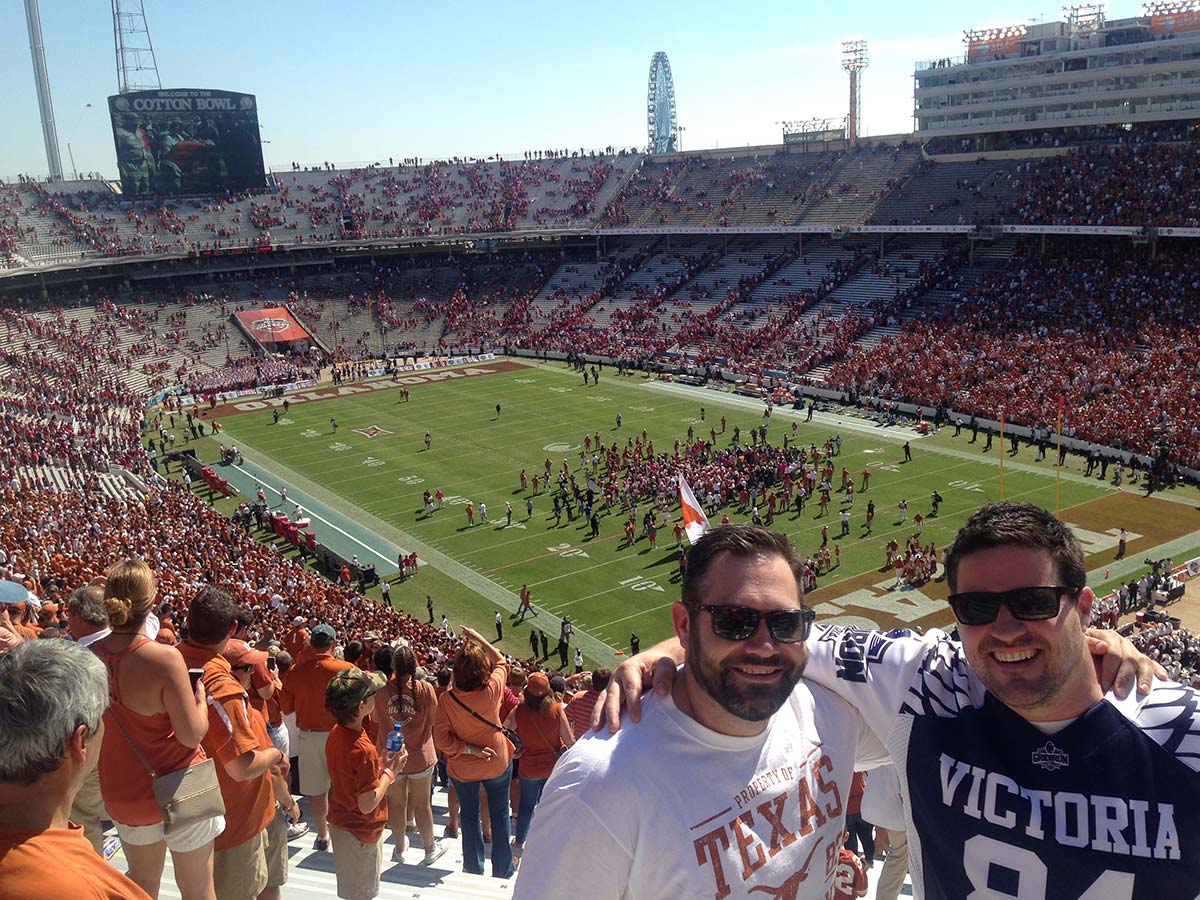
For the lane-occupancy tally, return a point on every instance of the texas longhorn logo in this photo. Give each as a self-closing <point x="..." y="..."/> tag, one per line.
<point x="272" y="325"/>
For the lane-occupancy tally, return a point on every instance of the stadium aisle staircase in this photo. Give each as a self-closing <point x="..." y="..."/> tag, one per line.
<point x="311" y="875"/>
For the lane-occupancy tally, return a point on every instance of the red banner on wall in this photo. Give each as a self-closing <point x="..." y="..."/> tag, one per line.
<point x="1004" y="46"/>
<point x="273" y="326"/>
<point x="1180" y="21"/>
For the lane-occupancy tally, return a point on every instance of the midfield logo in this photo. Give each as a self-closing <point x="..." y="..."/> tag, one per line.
<point x="1050" y="758"/>
<point x="372" y="431"/>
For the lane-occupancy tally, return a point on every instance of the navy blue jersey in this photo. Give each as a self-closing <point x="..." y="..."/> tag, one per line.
<point x="1107" y="808"/>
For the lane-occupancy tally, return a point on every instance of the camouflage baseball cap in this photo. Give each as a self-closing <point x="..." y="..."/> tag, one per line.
<point x="350" y="687"/>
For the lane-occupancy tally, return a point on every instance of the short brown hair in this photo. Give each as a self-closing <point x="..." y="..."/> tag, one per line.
<point x="1014" y="523"/>
<point x="740" y="540"/>
<point x="471" y="668"/>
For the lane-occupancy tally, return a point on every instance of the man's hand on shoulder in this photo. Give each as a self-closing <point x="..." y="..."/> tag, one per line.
<point x="1119" y="664"/>
<point x="653" y="668"/>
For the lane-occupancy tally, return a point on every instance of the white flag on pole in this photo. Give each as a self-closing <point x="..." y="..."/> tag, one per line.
<point x="695" y="522"/>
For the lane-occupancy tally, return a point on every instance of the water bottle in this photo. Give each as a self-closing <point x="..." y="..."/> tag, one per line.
<point x="396" y="739"/>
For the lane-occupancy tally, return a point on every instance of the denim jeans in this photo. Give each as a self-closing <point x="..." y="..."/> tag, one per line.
<point x="472" y="826"/>
<point x="531" y="793"/>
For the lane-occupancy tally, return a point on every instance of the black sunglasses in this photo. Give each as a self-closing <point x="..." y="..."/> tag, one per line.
<point x="739" y="623"/>
<point x="1029" y="604"/>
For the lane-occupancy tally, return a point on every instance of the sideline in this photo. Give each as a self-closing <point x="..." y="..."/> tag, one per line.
<point x="327" y="508"/>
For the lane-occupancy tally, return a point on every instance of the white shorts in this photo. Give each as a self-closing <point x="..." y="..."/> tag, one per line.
<point x="314" y="770"/>
<point x="416" y="776"/>
<point x="182" y="840"/>
<point x="279" y="738"/>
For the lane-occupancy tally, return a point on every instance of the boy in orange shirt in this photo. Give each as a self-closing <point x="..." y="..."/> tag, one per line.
<point x="358" y="783"/>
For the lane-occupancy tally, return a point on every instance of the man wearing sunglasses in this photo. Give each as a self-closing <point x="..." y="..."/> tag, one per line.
<point x="1020" y="777"/>
<point x="736" y="785"/>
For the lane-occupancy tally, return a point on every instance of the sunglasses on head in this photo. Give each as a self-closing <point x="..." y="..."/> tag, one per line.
<point x="1029" y="604"/>
<point x="739" y="623"/>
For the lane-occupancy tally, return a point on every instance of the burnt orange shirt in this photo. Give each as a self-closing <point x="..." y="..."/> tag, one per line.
<point x="58" y="862"/>
<point x="540" y="733"/>
<point x="295" y="641"/>
<point x="304" y="691"/>
<point x="124" y="781"/>
<point x="455" y="727"/>
<point x="416" y="721"/>
<point x="234" y="728"/>
<point x="354" y="769"/>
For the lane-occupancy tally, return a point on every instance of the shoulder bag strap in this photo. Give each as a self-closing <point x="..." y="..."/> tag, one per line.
<point x="136" y="752"/>
<point x="112" y="663"/>
<point x="538" y="728"/>
<point x="472" y="712"/>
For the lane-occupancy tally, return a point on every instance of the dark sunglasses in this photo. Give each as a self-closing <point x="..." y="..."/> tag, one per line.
<point x="739" y="623"/>
<point x="1029" y="604"/>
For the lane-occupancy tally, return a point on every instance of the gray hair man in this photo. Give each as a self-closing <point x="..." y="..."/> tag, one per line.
<point x="52" y="697"/>
<point x="87" y="622"/>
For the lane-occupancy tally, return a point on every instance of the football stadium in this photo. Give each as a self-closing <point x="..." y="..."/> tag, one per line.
<point x="328" y="435"/>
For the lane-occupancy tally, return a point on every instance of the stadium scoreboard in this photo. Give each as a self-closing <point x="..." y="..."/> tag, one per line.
<point x="186" y="142"/>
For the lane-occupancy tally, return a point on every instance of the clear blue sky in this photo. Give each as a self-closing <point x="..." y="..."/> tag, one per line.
<point x="361" y="81"/>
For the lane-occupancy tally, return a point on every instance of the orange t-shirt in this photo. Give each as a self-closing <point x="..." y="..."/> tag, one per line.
<point x="539" y="732"/>
<point x="304" y="691"/>
<point x="416" y="721"/>
<point x="354" y="769"/>
<point x="267" y="708"/>
<point x="58" y="862"/>
<point x="295" y="641"/>
<point x="454" y="728"/>
<point x="235" y="728"/>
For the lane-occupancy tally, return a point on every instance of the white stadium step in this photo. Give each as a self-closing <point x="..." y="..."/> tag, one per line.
<point x="311" y="875"/>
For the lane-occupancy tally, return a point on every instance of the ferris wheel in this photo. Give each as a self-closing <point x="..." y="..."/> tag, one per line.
<point x="661" y="128"/>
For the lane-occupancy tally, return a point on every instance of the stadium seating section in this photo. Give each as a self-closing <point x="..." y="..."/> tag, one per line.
<point x="915" y="317"/>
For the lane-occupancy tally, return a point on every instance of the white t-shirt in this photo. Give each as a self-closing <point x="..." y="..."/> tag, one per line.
<point x="668" y="809"/>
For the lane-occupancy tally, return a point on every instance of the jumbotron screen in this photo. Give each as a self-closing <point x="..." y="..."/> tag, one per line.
<point x="186" y="142"/>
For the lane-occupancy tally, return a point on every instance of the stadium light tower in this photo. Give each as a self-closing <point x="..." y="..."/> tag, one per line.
<point x="41" y="80"/>
<point x="854" y="60"/>
<point x="137" y="68"/>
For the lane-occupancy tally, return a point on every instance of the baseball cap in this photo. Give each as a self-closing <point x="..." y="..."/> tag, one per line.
<point x="538" y="685"/>
<point x="325" y="631"/>
<point x="299" y="620"/>
<point x="350" y="687"/>
<point x="12" y="592"/>
<point x="558" y="684"/>
<point x="239" y="653"/>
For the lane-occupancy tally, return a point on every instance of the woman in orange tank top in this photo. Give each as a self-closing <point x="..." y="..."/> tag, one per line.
<point x="155" y="707"/>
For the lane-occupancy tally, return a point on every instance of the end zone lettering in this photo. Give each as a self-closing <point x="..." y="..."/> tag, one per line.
<point x="347" y="390"/>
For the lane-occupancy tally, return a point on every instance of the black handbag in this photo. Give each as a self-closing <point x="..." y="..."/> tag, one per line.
<point x="513" y="738"/>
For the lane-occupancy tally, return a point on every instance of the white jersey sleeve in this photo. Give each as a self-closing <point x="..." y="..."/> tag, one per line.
<point x="885" y="674"/>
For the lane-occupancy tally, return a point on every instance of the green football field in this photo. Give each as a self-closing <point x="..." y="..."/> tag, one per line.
<point x="607" y="589"/>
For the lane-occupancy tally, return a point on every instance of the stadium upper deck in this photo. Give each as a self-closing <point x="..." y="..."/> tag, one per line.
<point x="1130" y="180"/>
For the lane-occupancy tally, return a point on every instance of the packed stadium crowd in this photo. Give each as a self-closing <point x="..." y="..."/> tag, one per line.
<point x="1137" y="182"/>
<point x="286" y="725"/>
<point x="1098" y="327"/>
<point x="1144" y="177"/>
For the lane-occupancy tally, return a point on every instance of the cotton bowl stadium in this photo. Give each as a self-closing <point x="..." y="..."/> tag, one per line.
<point x="411" y="395"/>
